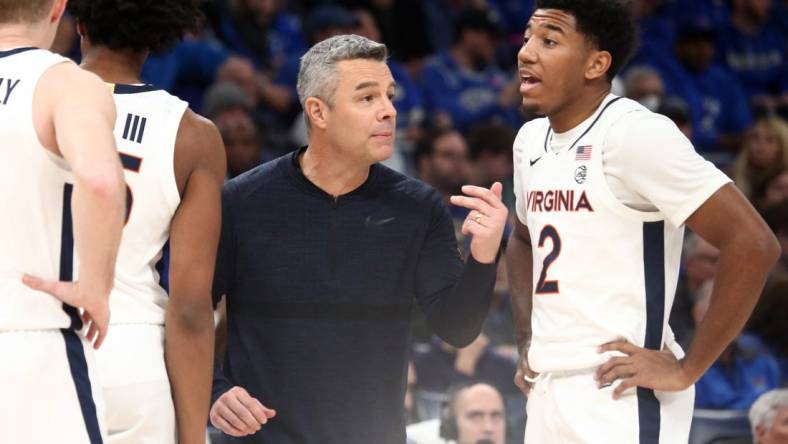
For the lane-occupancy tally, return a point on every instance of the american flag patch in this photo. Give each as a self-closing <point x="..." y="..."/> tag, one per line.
<point x="583" y="153"/>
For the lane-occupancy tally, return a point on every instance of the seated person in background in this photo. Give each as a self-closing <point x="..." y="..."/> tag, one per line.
<point x="773" y="191"/>
<point x="644" y="85"/>
<point x="474" y="414"/>
<point x="753" y="49"/>
<point x="769" y="418"/>
<point x="768" y="318"/>
<point x="443" y="366"/>
<point x="744" y="371"/>
<point x="463" y="85"/>
<point x="764" y="152"/>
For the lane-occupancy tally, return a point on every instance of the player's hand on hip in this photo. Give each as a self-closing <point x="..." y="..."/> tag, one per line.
<point x="96" y="307"/>
<point x="641" y="367"/>
<point x="485" y="221"/>
<point x="524" y="377"/>
<point x="237" y="413"/>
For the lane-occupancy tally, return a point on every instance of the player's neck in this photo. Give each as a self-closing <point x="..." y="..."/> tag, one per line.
<point x="114" y="66"/>
<point x="577" y="111"/>
<point x="327" y="170"/>
<point x="20" y="36"/>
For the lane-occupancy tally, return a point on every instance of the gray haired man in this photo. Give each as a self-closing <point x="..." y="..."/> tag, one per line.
<point x="322" y="256"/>
<point x="769" y="418"/>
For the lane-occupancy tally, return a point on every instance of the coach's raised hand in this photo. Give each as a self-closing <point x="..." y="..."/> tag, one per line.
<point x="238" y="414"/>
<point x="486" y="220"/>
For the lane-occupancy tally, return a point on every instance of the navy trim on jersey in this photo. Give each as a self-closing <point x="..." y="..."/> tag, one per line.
<point x="121" y="88"/>
<point x="163" y="267"/>
<point x="550" y="129"/>
<point x="654" y="267"/>
<point x="14" y="51"/>
<point x="67" y="254"/>
<point x="547" y="137"/>
<point x="79" y="374"/>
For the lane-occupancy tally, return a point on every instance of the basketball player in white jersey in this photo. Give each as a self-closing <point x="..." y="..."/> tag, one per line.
<point x="604" y="190"/>
<point x="156" y="367"/>
<point x="61" y="190"/>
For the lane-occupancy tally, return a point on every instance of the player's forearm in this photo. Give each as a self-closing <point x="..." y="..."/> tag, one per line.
<point x="743" y="267"/>
<point x="189" y="356"/>
<point x="519" y="269"/>
<point x="98" y="196"/>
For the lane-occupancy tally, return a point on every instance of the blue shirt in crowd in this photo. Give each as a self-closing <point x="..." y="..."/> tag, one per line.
<point x="758" y="61"/>
<point x="469" y="97"/>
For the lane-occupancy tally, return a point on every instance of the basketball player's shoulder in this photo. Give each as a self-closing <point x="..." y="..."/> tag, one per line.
<point x="630" y="121"/>
<point x="199" y="143"/>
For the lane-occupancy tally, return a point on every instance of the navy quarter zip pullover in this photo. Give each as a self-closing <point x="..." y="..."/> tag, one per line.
<point x="319" y="297"/>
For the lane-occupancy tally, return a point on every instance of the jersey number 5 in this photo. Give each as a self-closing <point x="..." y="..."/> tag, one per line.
<point x="131" y="163"/>
<point x="544" y="286"/>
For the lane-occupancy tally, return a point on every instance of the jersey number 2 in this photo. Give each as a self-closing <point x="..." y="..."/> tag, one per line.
<point x="544" y="286"/>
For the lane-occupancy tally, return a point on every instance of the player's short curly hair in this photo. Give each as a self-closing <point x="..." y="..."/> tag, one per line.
<point x="138" y="25"/>
<point x="607" y="23"/>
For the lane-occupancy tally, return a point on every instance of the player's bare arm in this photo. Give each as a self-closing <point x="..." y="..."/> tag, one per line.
<point x="76" y="123"/>
<point x="200" y="167"/>
<point x="748" y="249"/>
<point x="519" y="261"/>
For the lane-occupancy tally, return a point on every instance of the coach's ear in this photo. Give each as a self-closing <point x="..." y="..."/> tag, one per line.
<point x="316" y="110"/>
<point x="598" y="64"/>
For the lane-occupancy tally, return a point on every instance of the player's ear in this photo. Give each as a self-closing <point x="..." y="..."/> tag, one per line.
<point x="58" y="9"/>
<point x="316" y="110"/>
<point x="598" y="64"/>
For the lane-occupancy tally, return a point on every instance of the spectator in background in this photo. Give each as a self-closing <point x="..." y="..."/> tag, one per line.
<point x="644" y="85"/>
<point x="773" y="192"/>
<point x="764" y="153"/>
<point x="657" y="32"/>
<point x="474" y="414"/>
<point x="677" y="110"/>
<point x="187" y="69"/>
<point x="699" y="265"/>
<point x="442" y="162"/>
<point x="769" y="418"/>
<point x="719" y="107"/>
<point x="743" y="372"/>
<point x="462" y="86"/>
<point x="230" y="110"/>
<point x="753" y="49"/>
<point x="777" y="218"/>
<point x="768" y="318"/>
<point x="261" y="31"/>
<point x="444" y="365"/>
<point x="490" y="147"/>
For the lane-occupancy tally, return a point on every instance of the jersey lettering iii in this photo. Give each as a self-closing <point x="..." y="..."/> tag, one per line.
<point x="558" y="200"/>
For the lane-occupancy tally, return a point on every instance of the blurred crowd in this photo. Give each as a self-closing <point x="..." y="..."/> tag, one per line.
<point x="717" y="68"/>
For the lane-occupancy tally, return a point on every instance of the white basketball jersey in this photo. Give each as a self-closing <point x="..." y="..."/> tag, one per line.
<point x="602" y="271"/>
<point x="145" y="132"/>
<point x="35" y="217"/>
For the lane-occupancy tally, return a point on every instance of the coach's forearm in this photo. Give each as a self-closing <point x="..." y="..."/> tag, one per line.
<point x="459" y="313"/>
<point x="519" y="267"/>
<point x="189" y="338"/>
<point x="744" y="264"/>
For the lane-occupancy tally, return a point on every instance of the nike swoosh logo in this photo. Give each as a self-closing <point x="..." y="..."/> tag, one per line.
<point x="535" y="160"/>
<point x="371" y="221"/>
